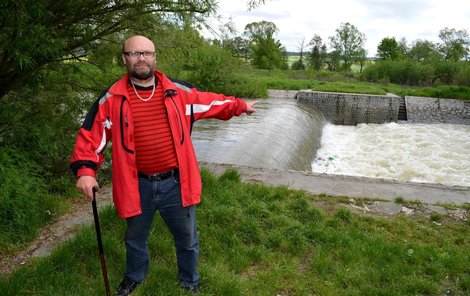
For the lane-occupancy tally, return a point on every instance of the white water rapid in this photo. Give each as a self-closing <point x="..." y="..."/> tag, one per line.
<point x="427" y="153"/>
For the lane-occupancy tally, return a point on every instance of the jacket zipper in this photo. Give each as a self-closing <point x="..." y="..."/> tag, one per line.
<point x="170" y="93"/>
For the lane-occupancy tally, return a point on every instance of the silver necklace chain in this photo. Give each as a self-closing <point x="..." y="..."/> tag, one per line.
<point x="145" y="100"/>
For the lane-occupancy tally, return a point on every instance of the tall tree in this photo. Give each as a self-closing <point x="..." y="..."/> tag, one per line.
<point x="333" y="60"/>
<point x="348" y="41"/>
<point x="238" y="46"/>
<point x="35" y="33"/>
<point x="361" y="58"/>
<point x="455" y="44"/>
<point x="266" y="51"/>
<point x="388" y="49"/>
<point x="423" y="51"/>
<point x="299" y="65"/>
<point x="403" y="48"/>
<point x="318" y="53"/>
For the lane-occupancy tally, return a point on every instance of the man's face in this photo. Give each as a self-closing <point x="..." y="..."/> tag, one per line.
<point x="139" y="57"/>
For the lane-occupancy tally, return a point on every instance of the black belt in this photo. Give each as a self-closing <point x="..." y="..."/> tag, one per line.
<point x="159" y="176"/>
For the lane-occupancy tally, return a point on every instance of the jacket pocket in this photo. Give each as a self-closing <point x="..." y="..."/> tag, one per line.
<point x="126" y="137"/>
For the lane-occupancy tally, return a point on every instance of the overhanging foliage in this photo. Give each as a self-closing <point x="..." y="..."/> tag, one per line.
<point x="35" y="33"/>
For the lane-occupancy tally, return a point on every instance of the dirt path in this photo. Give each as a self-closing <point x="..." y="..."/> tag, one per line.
<point x="58" y="232"/>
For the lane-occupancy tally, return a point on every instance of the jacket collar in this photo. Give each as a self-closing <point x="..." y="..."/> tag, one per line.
<point x="119" y="88"/>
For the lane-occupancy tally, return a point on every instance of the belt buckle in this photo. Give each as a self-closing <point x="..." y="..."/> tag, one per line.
<point x="156" y="177"/>
<point x="160" y="176"/>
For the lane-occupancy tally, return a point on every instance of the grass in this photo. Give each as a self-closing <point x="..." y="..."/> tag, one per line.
<point x="25" y="203"/>
<point x="319" y="81"/>
<point x="348" y="83"/>
<point x="400" y="200"/>
<point x="263" y="240"/>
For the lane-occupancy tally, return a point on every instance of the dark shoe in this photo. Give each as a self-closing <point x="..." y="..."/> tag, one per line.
<point x="192" y="289"/>
<point x="126" y="286"/>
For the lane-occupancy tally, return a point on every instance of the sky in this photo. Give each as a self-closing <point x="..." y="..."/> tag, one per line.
<point x="299" y="20"/>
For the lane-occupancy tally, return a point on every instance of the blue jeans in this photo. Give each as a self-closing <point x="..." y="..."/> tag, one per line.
<point x="164" y="196"/>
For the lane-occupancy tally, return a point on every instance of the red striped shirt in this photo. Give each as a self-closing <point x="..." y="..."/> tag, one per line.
<point x="154" y="148"/>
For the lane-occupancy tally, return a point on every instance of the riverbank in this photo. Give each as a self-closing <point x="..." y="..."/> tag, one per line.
<point x="269" y="240"/>
<point x="361" y="195"/>
<point x="365" y="195"/>
<point x="354" y="187"/>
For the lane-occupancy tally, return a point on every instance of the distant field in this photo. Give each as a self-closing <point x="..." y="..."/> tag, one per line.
<point x="292" y="59"/>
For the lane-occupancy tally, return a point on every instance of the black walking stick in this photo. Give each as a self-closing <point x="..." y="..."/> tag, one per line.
<point x="100" y="243"/>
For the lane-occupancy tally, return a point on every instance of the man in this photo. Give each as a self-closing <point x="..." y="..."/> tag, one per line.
<point x="149" y="118"/>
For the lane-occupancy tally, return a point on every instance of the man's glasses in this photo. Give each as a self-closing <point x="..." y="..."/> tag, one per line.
<point x="136" y="54"/>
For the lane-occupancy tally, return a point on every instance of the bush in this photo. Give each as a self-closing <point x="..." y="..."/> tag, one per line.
<point x="445" y="72"/>
<point x="298" y="65"/>
<point x="44" y="126"/>
<point x="24" y="203"/>
<point x="399" y="72"/>
<point x="463" y="76"/>
<point x="214" y="69"/>
<point x="407" y="72"/>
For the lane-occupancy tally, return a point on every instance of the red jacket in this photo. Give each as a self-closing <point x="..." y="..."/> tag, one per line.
<point x="110" y="119"/>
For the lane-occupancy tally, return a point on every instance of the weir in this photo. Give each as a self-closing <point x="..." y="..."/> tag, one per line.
<point x="353" y="109"/>
<point x="281" y="134"/>
<point x="286" y="134"/>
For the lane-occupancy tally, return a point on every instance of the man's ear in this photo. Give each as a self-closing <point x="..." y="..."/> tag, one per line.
<point x="123" y="59"/>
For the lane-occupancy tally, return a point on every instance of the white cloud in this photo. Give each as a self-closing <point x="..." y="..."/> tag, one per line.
<point x="377" y="19"/>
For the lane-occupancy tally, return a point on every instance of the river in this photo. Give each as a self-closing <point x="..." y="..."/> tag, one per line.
<point x="285" y="134"/>
<point x="428" y="153"/>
